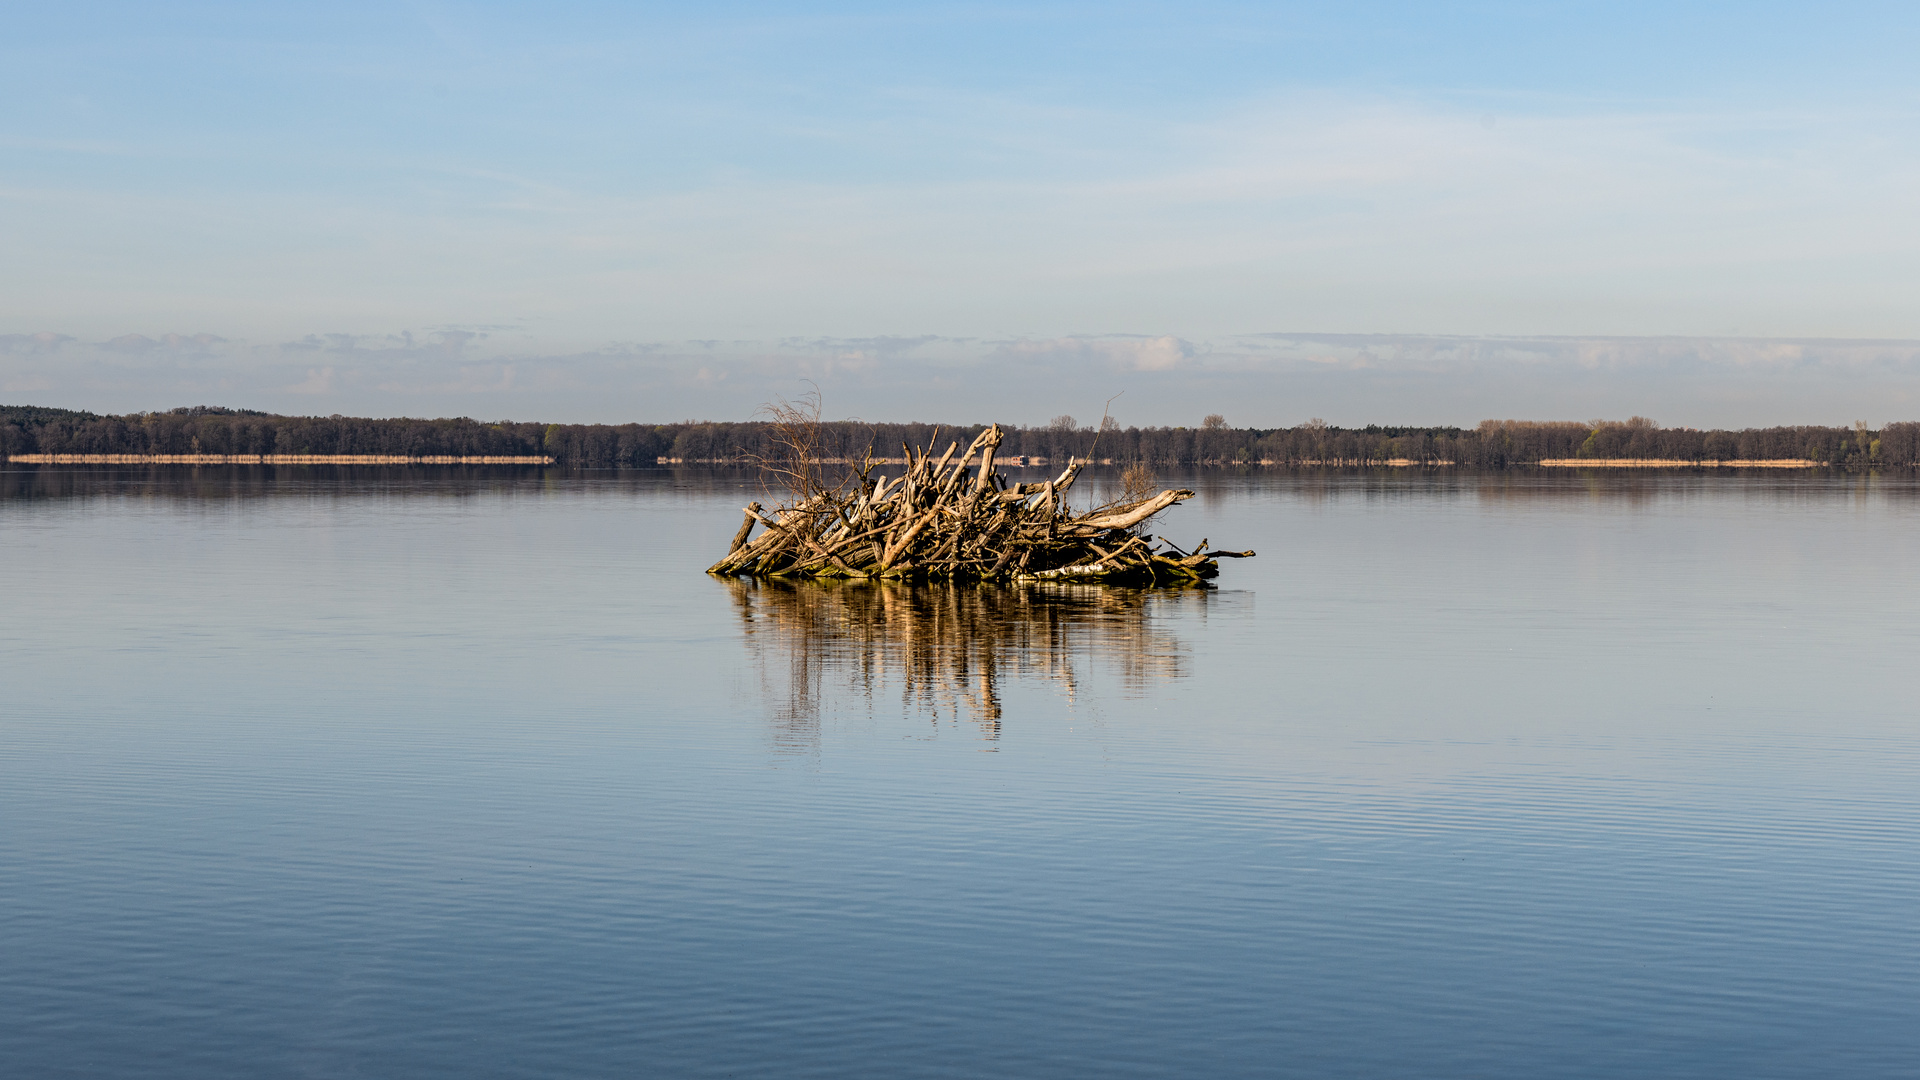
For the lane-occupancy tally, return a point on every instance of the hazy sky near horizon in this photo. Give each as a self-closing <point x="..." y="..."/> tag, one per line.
<point x="1390" y="211"/>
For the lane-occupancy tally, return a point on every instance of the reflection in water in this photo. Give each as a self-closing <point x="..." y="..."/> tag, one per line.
<point x="217" y="483"/>
<point x="24" y="484"/>
<point x="948" y="648"/>
<point x="1525" y="487"/>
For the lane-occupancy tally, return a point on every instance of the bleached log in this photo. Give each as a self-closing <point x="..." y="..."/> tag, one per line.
<point x="740" y="538"/>
<point x="1129" y="518"/>
<point x="989" y="442"/>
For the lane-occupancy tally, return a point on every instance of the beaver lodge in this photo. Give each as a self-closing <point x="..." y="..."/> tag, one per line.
<point x="953" y="519"/>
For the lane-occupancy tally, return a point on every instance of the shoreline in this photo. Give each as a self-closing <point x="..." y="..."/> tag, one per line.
<point x="1679" y="463"/>
<point x="271" y="459"/>
<point x="1014" y="463"/>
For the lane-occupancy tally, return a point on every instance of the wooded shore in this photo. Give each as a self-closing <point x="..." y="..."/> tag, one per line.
<point x="208" y="432"/>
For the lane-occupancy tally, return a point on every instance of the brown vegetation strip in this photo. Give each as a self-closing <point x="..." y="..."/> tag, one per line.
<point x="1041" y="462"/>
<point x="269" y="459"/>
<point x="1674" y="463"/>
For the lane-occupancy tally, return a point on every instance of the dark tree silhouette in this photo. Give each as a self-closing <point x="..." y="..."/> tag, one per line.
<point x="203" y="429"/>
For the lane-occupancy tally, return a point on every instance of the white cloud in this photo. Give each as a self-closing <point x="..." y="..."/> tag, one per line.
<point x="318" y="381"/>
<point x="1127" y="352"/>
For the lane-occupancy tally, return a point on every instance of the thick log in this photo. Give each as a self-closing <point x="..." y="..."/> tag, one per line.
<point x="1129" y="518"/>
<point x="739" y="538"/>
<point x="1066" y="477"/>
<point x="953" y="481"/>
<point x="899" y="546"/>
<point x="1006" y="556"/>
<point x="989" y="442"/>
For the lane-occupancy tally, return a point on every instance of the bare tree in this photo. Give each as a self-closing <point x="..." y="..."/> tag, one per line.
<point x="796" y="460"/>
<point x="1137" y="483"/>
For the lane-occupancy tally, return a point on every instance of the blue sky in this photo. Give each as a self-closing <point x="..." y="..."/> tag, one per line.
<point x="1394" y="212"/>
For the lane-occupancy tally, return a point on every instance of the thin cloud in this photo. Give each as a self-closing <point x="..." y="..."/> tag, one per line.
<point x="1261" y="379"/>
<point x="39" y="343"/>
<point x="141" y="343"/>
<point x="1126" y="352"/>
<point x="318" y="381"/>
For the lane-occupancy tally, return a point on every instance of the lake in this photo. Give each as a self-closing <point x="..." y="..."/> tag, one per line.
<point x="312" y="771"/>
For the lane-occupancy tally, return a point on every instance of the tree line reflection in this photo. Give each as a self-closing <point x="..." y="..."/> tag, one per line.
<point x="947" y="651"/>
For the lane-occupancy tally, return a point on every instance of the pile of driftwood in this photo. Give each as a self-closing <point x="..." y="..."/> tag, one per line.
<point x="952" y="519"/>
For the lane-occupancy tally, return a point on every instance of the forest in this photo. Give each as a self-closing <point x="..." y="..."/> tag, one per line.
<point x="1493" y="443"/>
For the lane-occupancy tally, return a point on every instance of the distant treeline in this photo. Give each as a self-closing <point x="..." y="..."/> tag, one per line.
<point x="1494" y="443"/>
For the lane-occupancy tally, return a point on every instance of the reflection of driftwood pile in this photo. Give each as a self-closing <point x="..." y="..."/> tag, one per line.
<point x="951" y="519"/>
<point x="950" y="650"/>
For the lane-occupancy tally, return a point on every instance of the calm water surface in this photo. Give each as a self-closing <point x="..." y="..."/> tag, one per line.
<point x="472" y="773"/>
